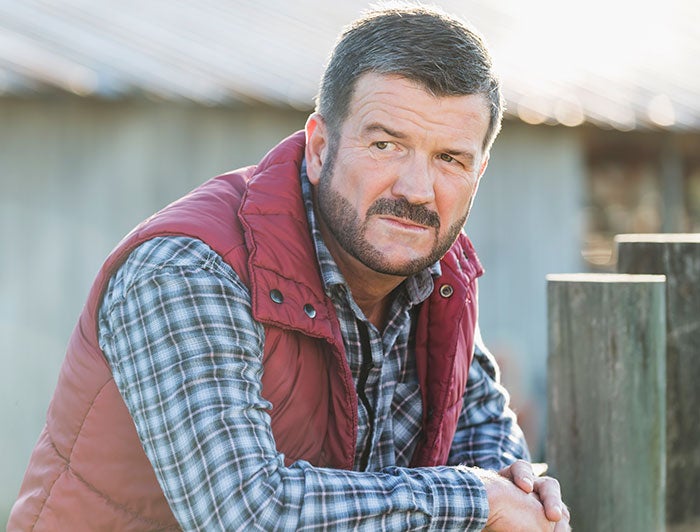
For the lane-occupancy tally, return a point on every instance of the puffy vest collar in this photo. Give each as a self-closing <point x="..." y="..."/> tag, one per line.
<point x="282" y="261"/>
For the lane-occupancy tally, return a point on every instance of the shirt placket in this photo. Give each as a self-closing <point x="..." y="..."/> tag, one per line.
<point x="368" y="388"/>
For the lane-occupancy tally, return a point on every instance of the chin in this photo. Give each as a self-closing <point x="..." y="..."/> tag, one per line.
<point x="400" y="268"/>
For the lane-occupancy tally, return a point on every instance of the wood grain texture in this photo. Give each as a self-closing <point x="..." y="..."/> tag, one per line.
<point x="606" y="399"/>
<point x="677" y="256"/>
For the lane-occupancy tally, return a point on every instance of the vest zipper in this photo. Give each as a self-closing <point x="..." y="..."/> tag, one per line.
<point x="361" y="383"/>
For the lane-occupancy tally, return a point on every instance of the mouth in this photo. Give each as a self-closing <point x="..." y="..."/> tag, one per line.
<point x="404" y="224"/>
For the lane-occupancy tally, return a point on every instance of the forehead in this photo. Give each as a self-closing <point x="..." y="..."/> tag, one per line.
<point x="408" y="106"/>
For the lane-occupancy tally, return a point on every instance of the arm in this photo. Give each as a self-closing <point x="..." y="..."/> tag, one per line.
<point x="177" y="329"/>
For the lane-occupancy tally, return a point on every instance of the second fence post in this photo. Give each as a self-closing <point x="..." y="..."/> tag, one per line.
<point x="677" y="256"/>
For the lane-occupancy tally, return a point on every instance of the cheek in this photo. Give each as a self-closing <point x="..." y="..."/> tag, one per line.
<point x="363" y="181"/>
<point x="453" y="203"/>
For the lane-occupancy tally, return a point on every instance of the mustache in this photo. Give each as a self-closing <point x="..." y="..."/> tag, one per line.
<point x="401" y="208"/>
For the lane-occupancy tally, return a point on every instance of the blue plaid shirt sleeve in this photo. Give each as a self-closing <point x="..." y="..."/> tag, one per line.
<point x="186" y="354"/>
<point x="488" y="435"/>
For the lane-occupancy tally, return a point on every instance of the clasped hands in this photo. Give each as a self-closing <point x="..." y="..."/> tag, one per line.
<point x="522" y="501"/>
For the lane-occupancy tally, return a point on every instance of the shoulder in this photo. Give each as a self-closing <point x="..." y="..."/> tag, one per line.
<point x="163" y="257"/>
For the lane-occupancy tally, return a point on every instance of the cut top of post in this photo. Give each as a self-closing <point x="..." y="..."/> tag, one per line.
<point x="604" y="278"/>
<point x="660" y="238"/>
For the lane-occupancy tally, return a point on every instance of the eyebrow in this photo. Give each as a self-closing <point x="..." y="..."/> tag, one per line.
<point x="376" y="126"/>
<point x="469" y="156"/>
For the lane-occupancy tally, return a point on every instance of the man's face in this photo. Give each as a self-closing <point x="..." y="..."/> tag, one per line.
<point x="395" y="189"/>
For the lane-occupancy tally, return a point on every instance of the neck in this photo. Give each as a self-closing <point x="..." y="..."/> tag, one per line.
<point x="373" y="296"/>
<point x="370" y="289"/>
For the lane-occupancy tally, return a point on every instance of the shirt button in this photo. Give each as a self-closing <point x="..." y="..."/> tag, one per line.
<point x="276" y="296"/>
<point x="310" y="310"/>
<point x="446" y="290"/>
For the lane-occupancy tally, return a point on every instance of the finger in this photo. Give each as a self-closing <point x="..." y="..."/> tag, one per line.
<point x="566" y="513"/>
<point x="562" y="526"/>
<point x="566" y="517"/>
<point x="550" y="495"/>
<point x="520" y="473"/>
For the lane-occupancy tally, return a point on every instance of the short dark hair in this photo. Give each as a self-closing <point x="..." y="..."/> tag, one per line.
<point x="439" y="52"/>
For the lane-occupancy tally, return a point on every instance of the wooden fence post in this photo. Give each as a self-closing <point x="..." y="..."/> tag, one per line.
<point x="677" y="256"/>
<point x="606" y="399"/>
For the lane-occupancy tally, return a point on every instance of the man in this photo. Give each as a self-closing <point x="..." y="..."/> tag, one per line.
<point x="292" y="346"/>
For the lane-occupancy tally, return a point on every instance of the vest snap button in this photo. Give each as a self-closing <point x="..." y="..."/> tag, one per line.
<point x="310" y="310"/>
<point x="276" y="296"/>
<point x="446" y="290"/>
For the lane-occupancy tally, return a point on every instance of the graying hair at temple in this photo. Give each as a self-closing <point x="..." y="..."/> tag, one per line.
<point x="429" y="47"/>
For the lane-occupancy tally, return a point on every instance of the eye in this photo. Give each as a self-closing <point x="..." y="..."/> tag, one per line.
<point x="381" y="144"/>
<point x="447" y="158"/>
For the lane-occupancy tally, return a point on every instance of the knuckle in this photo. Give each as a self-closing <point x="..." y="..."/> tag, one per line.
<point x="556" y="485"/>
<point x="552" y="483"/>
<point x="522" y="466"/>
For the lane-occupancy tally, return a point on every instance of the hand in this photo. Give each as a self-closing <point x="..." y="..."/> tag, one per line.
<point x="511" y="509"/>
<point x="515" y="504"/>
<point x="527" y="477"/>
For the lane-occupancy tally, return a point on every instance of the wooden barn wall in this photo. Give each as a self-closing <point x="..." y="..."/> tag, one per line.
<point x="75" y="176"/>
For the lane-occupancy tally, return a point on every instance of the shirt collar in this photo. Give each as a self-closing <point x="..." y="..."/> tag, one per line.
<point x="417" y="288"/>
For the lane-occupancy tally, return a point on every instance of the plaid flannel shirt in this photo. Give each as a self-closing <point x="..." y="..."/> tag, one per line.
<point x="177" y="329"/>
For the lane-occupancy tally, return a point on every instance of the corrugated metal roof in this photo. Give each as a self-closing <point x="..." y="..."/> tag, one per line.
<point x="616" y="63"/>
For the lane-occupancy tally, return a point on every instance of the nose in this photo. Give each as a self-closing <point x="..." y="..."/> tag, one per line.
<point x="415" y="181"/>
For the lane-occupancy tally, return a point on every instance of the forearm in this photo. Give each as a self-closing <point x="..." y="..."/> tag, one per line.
<point x="306" y="497"/>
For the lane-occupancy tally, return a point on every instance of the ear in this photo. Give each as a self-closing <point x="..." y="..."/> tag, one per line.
<point x="316" y="146"/>
<point x="482" y="169"/>
<point x="484" y="164"/>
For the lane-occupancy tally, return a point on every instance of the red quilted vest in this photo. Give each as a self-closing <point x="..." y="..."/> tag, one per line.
<point x="88" y="470"/>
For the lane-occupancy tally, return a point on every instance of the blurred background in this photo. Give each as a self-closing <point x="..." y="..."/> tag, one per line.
<point x="110" y="109"/>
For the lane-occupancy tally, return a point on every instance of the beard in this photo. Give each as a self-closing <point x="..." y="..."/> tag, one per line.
<point x="344" y="223"/>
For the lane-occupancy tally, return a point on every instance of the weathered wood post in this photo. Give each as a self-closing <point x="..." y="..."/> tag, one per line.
<point x="606" y="399"/>
<point x="677" y="256"/>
